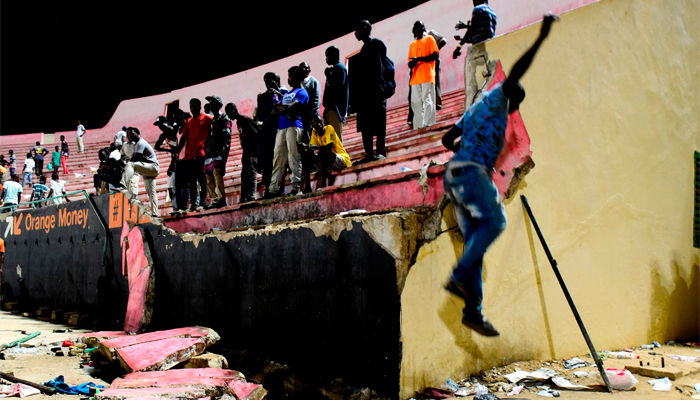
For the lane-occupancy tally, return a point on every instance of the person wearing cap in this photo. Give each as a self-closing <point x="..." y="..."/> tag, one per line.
<point x="216" y="152"/>
<point x="193" y="139"/>
<point x="144" y="162"/>
<point x="422" y="55"/>
<point x="248" y="134"/>
<point x="169" y="136"/>
<point x="119" y="137"/>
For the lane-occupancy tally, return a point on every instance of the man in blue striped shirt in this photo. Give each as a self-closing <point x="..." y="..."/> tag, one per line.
<point x="480" y="28"/>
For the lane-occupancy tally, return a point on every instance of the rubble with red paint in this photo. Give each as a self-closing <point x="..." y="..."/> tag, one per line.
<point x="108" y="347"/>
<point x="212" y="380"/>
<point x="245" y="390"/>
<point x="175" y="393"/>
<point x="159" y="355"/>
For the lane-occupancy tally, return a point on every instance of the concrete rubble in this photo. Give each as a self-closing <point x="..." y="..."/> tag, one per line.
<point x="163" y="365"/>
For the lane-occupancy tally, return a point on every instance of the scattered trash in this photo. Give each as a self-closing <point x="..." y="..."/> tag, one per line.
<point x="457" y="389"/>
<point x="697" y="387"/>
<point x="21" y="350"/>
<point x="435" y="393"/>
<point x="79" y="175"/>
<point x="663" y="385"/>
<point x="61" y="330"/>
<point x="549" y="393"/>
<point x="17" y="390"/>
<point x="68" y="343"/>
<point x="516" y="390"/>
<point x="480" y="389"/>
<point x="541" y="374"/>
<point x="621" y="354"/>
<point x="575" y="363"/>
<point x="20" y="341"/>
<point x="684" y="358"/>
<point x="620" y="379"/>
<point x="423" y="180"/>
<point x="648" y="346"/>
<point x="487" y="396"/>
<point x="656" y="344"/>
<point x="352" y="212"/>
<point x="581" y="374"/>
<point x="62" y="387"/>
<point x="405" y="169"/>
<point x="566" y="384"/>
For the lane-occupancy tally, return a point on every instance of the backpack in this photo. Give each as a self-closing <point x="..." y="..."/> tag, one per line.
<point x="388" y="72"/>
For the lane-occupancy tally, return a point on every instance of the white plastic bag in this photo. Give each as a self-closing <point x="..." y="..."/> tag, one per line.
<point x="620" y="379"/>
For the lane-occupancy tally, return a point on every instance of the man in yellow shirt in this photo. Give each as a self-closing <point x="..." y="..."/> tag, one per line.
<point x="332" y="156"/>
<point x="421" y="59"/>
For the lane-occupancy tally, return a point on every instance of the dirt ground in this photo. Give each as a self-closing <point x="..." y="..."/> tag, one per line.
<point x="42" y="368"/>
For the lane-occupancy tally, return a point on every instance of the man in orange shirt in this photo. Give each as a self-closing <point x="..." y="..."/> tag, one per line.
<point x="194" y="136"/>
<point x="422" y="56"/>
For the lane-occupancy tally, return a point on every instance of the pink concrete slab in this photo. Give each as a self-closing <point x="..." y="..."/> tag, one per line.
<point x="138" y="310"/>
<point x="516" y="148"/>
<point x="160" y="393"/>
<point x="187" y="373"/>
<point x="246" y="391"/>
<point x="159" y="355"/>
<point x="198" y="382"/>
<point x="207" y="335"/>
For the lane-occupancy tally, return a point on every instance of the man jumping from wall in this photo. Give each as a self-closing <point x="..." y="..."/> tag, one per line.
<point x="477" y="203"/>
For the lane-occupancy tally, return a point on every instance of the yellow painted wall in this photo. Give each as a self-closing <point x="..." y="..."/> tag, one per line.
<point x="613" y="112"/>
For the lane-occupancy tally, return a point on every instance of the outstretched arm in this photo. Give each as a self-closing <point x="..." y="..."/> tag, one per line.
<point x="522" y="65"/>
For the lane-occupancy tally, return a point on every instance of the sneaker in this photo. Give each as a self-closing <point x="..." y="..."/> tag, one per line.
<point x="294" y="192"/>
<point x="199" y="209"/>
<point x="476" y="321"/>
<point x="363" y="161"/>
<point x="378" y="157"/>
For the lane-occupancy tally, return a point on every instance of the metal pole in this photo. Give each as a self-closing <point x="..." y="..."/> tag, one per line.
<point x="552" y="261"/>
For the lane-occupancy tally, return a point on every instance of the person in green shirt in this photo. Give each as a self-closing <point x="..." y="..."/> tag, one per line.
<point x="56" y="158"/>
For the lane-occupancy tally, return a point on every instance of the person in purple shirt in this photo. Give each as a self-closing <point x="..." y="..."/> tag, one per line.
<point x="289" y="134"/>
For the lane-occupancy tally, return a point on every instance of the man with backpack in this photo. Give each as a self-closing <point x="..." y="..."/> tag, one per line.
<point x="373" y="75"/>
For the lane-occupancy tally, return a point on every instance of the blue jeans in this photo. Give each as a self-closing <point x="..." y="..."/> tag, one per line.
<point x="26" y="176"/>
<point x="480" y="215"/>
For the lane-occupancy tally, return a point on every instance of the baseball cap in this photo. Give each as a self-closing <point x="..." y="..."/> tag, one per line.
<point x="215" y="98"/>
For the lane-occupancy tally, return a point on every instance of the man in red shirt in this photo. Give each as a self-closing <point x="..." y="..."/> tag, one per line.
<point x="194" y="136"/>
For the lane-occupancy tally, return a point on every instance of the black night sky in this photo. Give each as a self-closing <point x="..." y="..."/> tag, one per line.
<point x="63" y="61"/>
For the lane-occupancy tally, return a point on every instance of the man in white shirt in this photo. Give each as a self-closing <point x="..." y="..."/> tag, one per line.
<point x="120" y="137"/>
<point x="28" y="169"/>
<point x="13" y="192"/>
<point x="56" y="188"/>
<point x="144" y="162"/>
<point x="79" y="137"/>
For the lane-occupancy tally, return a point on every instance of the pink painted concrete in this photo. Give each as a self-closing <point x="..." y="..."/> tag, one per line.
<point x="142" y="357"/>
<point x="193" y="332"/>
<point x="26" y="138"/>
<point x="172" y="393"/>
<point x="242" y="88"/>
<point x="198" y="382"/>
<point x="516" y="148"/>
<point x="139" y="274"/>
<point x="244" y="390"/>
<point x="396" y="191"/>
<point x="184" y="373"/>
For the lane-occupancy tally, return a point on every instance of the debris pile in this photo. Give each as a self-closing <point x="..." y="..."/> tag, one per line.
<point x="169" y="365"/>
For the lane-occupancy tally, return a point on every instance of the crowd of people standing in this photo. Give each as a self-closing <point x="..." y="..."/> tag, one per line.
<point x="286" y="135"/>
